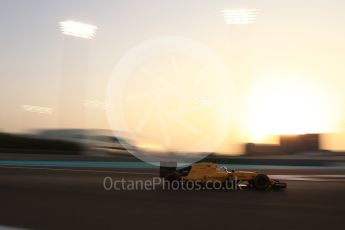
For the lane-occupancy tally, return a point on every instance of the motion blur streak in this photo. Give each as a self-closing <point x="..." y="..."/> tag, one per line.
<point x="37" y="109"/>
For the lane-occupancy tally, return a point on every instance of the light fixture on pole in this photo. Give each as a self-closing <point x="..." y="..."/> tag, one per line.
<point x="78" y="29"/>
<point x="74" y="72"/>
<point x="240" y="16"/>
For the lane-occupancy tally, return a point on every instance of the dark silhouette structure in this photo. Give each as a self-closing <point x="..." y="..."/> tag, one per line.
<point x="289" y="144"/>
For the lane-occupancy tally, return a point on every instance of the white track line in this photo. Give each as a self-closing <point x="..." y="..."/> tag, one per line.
<point x="310" y="177"/>
<point x="2" y="227"/>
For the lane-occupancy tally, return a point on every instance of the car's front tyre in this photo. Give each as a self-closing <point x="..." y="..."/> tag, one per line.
<point x="261" y="182"/>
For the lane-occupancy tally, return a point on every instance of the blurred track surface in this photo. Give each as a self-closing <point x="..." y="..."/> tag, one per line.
<point x="74" y="198"/>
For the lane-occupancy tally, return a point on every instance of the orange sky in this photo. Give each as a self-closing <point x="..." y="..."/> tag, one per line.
<point x="286" y="71"/>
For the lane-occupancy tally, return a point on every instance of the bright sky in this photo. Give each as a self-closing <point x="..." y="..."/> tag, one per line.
<point x="286" y="69"/>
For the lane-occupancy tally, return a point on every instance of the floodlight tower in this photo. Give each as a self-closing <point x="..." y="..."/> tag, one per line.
<point x="239" y="21"/>
<point x="74" y="73"/>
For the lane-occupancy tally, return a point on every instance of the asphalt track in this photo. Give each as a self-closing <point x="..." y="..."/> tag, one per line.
<point x="74" y="198"/>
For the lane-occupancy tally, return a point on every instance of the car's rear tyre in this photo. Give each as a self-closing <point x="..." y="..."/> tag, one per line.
<point x="164" y="171"/>
<point x="173" y="177"/>
<point x="261" y="182"/>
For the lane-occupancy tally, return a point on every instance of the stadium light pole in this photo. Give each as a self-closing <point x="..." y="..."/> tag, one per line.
<point x="240" y="21"/>
<point x="74" y="72"/>
<point x="239" y="54"/>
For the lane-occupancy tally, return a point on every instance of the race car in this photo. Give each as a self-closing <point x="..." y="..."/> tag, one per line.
<point x="209" y="172"/>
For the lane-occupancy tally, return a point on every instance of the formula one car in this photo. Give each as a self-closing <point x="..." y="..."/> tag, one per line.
<point x="210" y="172"/>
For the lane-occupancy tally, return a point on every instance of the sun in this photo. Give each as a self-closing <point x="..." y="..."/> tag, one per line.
<point x="290" y="105"/>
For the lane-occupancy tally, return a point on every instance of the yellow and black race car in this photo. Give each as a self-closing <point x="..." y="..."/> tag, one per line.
<point x="210" y="172"/>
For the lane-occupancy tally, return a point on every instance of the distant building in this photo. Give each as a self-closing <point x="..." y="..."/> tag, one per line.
<point x="289" y="144"/>
<point x="261" y="149"/>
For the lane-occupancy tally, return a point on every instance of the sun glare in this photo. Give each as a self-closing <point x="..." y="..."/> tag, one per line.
<point x="290" y="106"/>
